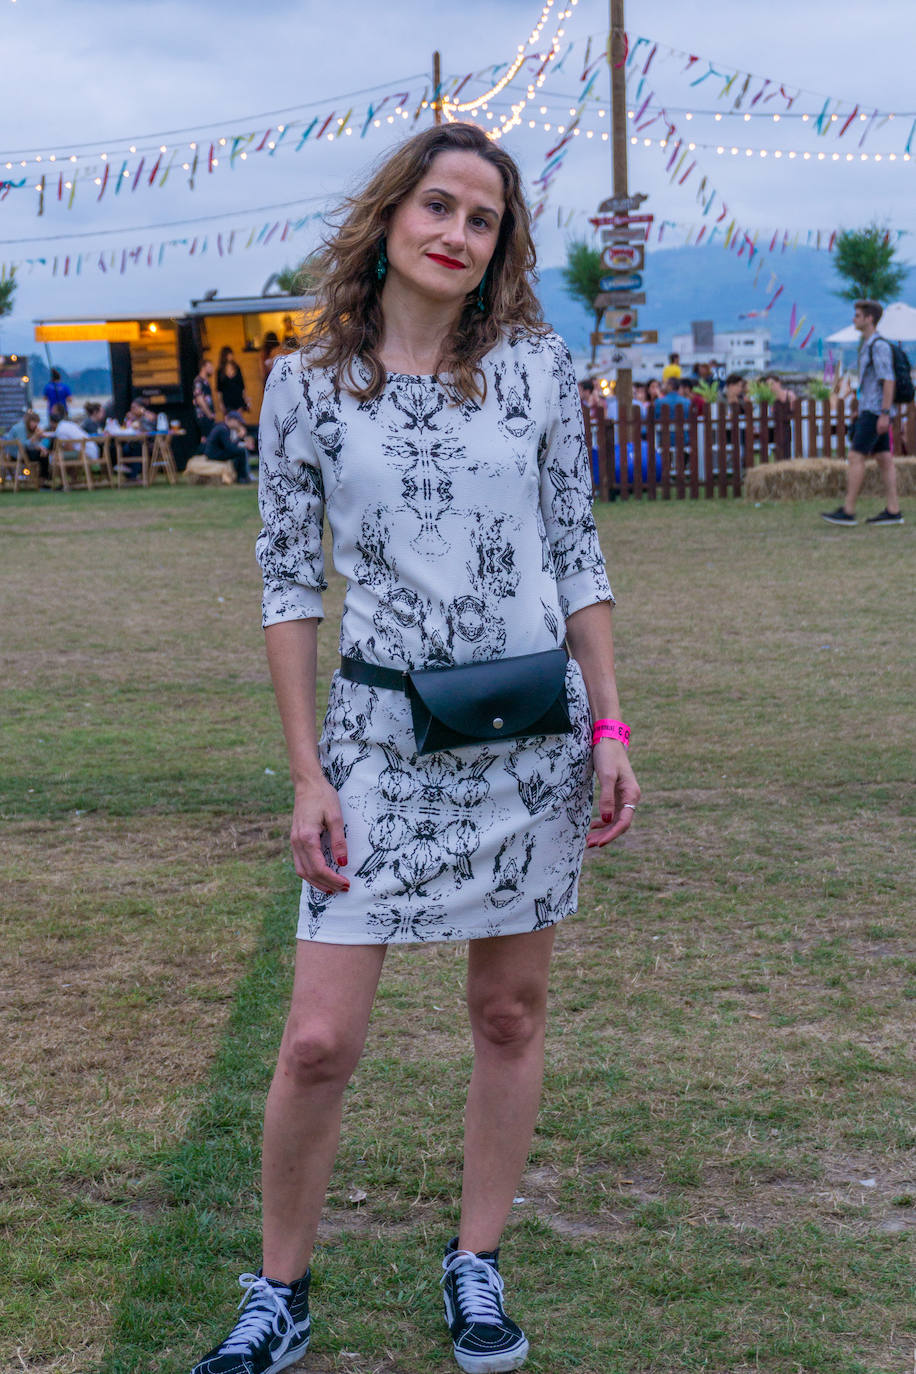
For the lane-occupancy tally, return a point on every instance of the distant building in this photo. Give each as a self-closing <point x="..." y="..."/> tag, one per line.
<point x="737" y="350"/>
<point x="740" y="350"/>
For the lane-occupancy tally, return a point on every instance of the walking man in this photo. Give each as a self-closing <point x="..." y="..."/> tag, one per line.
<point x="871" y="432"/>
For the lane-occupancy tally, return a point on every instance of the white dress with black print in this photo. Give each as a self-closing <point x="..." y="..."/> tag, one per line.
<point x="465" y="534"/>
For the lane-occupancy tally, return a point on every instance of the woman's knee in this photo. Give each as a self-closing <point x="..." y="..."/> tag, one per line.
<point x="508" y="1022"/>
<point x="317" y="1054"/>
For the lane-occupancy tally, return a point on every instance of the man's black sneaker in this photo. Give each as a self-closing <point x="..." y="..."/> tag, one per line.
<point x="886" y="518"/>
<point x="484" y="1340"/>
<point x="272" y="1332"/>
<point x="838" y="517"/>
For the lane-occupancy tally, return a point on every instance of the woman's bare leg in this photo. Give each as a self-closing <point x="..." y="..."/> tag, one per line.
<point x="333" y="992"/>
<point x="507" y="1002"/>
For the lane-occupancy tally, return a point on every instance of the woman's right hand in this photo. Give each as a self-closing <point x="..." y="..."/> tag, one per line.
<point x="316" y="812"/>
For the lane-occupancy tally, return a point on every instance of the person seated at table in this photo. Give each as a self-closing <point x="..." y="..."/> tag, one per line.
<point x="66" y="429"/>
<point x="140" y="418"/>
<point x="29" y="433"/>
<point x="229" y="441"/>
<point x="138" y="421"/>
<point x="93" y="417"/>
<point x="654" y="390"/>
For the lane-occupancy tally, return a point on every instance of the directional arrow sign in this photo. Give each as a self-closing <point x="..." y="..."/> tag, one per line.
<point x="615" y="300"/>
<point x="625" y="337"/>
<point x="637" y="234"/>
<point x="622" y="281"/>
<point x="620" y="221"/>
<point x="624" y="257"/>
<point x="617" y="203"/>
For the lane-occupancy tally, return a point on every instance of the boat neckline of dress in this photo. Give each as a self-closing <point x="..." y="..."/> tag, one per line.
<point x="418" y="376"/>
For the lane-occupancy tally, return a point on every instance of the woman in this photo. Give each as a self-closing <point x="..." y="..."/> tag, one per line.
<point x="437" y="422"/>
<point x="29" y="433"/>
<point x="230" y="383"/>
<point x="270" y="352"/>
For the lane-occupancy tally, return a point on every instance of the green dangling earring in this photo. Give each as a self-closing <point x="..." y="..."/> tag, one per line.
<point x="481" y="306"/>
<point x="381" y="264"/>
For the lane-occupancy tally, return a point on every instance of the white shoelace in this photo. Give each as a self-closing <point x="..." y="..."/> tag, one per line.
<point x="479" y="1286"/>
<point x="266" y="1314"/>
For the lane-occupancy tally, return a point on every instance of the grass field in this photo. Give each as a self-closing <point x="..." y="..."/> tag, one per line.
<point x="723" y="1177"/>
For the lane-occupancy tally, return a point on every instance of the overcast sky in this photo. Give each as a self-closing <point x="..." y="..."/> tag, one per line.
<point x="77" y="73"/>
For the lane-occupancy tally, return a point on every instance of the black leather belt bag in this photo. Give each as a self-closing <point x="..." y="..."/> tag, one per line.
<point x="508" y="698"/>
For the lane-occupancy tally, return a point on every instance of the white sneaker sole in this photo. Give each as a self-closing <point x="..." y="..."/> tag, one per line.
<point x="492" y="1364"/>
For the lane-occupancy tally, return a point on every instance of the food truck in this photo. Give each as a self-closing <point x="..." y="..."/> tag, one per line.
<point x="155" y="358"/>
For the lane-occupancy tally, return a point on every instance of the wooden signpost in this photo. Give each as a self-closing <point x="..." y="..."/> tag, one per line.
<point x="624" y="232"/>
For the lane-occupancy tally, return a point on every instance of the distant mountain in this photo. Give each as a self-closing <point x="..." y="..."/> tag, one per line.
<point x="708" y="283"/>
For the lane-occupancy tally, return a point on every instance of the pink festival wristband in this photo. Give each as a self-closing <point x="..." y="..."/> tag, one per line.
<point x="611" y="729"/>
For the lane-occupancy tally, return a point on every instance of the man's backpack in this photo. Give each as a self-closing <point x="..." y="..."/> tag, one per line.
<point x="903" y="373"/>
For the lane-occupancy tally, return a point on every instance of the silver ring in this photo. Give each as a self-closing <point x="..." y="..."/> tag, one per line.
<point x="628" y="806"/>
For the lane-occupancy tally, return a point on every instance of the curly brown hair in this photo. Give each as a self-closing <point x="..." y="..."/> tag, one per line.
<point x="347" y="324"/>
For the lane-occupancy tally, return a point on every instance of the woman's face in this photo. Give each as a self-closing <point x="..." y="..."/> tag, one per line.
<point x="442" y="236"/>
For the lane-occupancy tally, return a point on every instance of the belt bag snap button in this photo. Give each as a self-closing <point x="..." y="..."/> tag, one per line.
<point x="498" y="722"/>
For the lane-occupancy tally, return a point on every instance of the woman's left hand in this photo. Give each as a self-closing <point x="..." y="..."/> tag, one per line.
<point x="619" y="793"/>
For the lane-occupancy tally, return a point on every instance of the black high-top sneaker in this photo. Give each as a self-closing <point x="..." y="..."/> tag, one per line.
<point x="484" y="1339"/>
<point x="272" y="1332"/>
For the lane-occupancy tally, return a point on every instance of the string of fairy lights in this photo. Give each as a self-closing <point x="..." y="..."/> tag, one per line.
<point x="452" y="111"/>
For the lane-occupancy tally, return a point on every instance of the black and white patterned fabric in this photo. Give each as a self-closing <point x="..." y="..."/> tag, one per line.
<point x="465" y="534"/>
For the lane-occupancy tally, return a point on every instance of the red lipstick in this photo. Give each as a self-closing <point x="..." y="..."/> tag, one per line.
<point x="446" y="262"/>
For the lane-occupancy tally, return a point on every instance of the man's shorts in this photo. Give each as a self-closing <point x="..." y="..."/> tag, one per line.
<point x="865" y="438"/>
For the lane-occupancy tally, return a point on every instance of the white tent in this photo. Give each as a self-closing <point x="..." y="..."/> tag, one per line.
<point x="898" y="323"/>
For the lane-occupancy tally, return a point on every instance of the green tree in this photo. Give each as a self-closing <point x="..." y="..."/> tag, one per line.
<point x="292" y="281"/>
<point x="582" y="277"/>
<point x="7" y="292"/>
<point x="867" y="261"/>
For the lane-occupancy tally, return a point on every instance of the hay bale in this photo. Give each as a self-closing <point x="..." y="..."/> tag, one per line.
<point x="800" y="479"/>
<point x="203" y="471"/>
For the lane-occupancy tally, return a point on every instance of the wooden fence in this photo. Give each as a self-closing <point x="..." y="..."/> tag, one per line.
<point x="708" y="453"/>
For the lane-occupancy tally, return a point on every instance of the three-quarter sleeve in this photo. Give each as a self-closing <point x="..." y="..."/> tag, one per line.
<point x="566" y="494"/>
<point x="291" y="498"/>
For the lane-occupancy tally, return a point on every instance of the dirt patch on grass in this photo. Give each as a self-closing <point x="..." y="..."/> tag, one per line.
<point x="849" y="1197"/>
<point x="113" y="988"/>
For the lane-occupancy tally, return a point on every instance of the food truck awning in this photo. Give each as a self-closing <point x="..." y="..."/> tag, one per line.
<point x="113" y="329"/>
<point x="248" y="305"/>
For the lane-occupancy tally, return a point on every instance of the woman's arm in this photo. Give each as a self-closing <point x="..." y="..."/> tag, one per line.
<point x="591" y="643"/>
<point x="292" y="656"/>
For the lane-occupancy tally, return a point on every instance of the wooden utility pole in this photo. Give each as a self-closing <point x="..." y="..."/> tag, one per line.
<point x="437" y="83"/>
<point x="618" y="55"/>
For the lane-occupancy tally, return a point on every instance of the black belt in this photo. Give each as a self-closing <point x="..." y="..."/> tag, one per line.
<point x="372" y="675"/>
